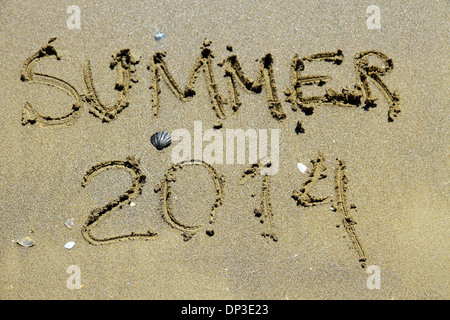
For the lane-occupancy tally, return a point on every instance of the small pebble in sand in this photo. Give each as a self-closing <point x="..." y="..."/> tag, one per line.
<point x="132" y="204"/>
<point x="299" y="128"/>
<point x="160" y="36"/>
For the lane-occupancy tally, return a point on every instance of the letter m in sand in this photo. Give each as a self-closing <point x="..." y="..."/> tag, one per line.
<point x="159" y="70"/>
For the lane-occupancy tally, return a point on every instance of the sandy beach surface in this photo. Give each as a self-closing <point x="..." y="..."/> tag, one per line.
<point x="396" y="184"/>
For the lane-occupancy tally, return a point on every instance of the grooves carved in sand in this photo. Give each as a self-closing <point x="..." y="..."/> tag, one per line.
<point x="367" y="71"/>
<point x="235" y="75"/>
<point x="344" y="211"/>
<point x="303" y="195"/>
<point x="125" y="62"/>
<point x="166" y="192"/>
<point x="265" y="212"/>
<point x="294" y="94"/>
<point x="158" y="66"/>
<point x="29" y="114"/>
<point x="96" y="215"/>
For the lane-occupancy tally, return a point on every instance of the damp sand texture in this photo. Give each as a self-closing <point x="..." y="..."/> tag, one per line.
<point x="79" y="108"/>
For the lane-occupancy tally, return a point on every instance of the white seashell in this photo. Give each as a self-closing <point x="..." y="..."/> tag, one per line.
<point x="161" y="140"/>
<point x="302" y="167"/>
<point x="160" y="36"/>
<point x="69" y="223"/>
<point x="26" y="242"/>
<point x="69" y="245"/>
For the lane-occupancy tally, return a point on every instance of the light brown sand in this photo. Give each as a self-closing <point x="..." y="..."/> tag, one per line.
<point x="397" y="172"/>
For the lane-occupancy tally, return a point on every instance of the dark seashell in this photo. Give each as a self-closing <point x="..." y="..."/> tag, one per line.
<point x="161" y="140"/>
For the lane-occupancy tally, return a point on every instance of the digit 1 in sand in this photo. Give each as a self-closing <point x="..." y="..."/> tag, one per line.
<point x="265" y="213"/>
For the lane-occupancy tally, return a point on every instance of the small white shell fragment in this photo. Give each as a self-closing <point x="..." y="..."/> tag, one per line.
<point x="26" y="242"/>
<point x="69" y="223"/>
<point x="69" y="245"/>
<point x="302" y="167"/>
<point x="132" y="204"/>
<point x="160" y="36"/>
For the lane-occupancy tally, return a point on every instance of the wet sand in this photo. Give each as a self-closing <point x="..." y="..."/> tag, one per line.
<point x="396" y="172"/>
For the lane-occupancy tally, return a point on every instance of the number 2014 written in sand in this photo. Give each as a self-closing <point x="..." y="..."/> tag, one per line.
<point x="125" y="61"/>
<point x="264" y="213"/>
